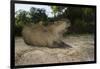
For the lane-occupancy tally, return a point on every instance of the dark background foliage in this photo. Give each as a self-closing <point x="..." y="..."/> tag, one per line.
<point x="82" y="18"/>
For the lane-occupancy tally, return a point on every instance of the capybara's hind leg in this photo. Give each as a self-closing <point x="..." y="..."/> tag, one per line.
<point x="61" y="45"/>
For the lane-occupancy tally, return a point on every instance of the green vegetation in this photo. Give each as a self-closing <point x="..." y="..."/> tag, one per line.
<point x="82" y="18"/>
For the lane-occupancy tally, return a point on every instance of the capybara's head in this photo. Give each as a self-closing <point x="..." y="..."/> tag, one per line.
<point x="60" y="26"/>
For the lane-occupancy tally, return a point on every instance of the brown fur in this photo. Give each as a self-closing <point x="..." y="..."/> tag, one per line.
<point x="40" y="35"/>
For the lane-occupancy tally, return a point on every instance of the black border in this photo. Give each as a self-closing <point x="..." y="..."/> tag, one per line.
<point x="12" y="33"/>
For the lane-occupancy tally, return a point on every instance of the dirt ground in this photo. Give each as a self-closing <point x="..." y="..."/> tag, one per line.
<point x="82" y="50"/>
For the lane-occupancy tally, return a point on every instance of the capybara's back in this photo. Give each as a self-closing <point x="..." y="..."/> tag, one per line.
<point x="39" y="35"/>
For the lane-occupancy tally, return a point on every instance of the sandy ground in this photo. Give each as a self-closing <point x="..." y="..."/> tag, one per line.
<point x="82" y="50"/>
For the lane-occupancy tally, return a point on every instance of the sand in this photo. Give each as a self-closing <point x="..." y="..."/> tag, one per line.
<point x="82" y="50"/>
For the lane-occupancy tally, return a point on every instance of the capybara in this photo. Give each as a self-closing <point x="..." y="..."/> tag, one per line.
<point x="40" y="35"/>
